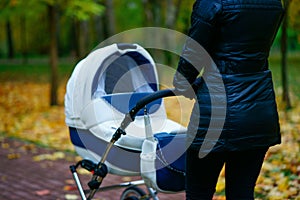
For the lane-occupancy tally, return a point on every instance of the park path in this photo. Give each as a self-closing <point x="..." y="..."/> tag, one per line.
<point x="29" y="172"/>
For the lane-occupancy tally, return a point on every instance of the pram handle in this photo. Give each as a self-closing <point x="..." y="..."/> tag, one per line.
<point x="130" y="116"/>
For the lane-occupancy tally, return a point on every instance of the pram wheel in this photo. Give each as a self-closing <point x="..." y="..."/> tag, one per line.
<point x="133" y="193"/>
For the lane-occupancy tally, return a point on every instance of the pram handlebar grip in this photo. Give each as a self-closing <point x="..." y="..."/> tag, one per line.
<point x="129" y="117"/>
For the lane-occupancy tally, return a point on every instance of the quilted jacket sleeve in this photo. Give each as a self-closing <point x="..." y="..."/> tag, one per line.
<point x="197" y="46"/>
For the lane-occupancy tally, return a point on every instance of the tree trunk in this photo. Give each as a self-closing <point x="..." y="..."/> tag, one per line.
<point x="23" y="38"/>
<point x="152" y="13"/>
<point x="147" y="14"/>
<point x="76" y="32"/>
<point x="53" y="55"/>
<point x="10" y="45"/>
<point x="152" y="18"/>
<point x="172" y="13"/>
<point x="171" y="18"/>
<point x="110" y="18"/>
<point x="284" y="74"/>
<point x="83" y="38"/>
<point x="99" y="29"/>
<point x="157" y="12"/>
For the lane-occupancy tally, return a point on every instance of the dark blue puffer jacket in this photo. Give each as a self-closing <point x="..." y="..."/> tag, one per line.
<point x="236" y="111"/>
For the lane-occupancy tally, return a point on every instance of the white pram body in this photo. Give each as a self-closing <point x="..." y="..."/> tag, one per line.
<point x="101" y="91"/>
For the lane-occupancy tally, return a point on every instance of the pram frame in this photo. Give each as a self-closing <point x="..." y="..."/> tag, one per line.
<point x="100" y="170"/>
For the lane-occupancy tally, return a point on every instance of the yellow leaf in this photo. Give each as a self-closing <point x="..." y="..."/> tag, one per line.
<point x="5" y="145"/>
<point x="11" y="156"/>
<point x="126" y="179"/>
<point x="71" y="197"/>
<point x="283" y="184"/>
<point x="58" y="155"/>
<point x="83" y="171"/>
<point x="42" y="157"/>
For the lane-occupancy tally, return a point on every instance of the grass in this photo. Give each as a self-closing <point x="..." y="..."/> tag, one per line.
<point x="34" y="70"/>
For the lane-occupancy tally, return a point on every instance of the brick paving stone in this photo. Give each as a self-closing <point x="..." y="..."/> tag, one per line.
<point x="22" y="177"/>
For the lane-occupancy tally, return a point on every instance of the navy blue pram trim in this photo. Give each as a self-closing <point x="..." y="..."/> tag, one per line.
<point x="125" y="102"/>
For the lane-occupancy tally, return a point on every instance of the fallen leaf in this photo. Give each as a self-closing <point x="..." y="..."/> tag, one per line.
<point x="29" y="147"/>
<point x="42" y="192"/>
<point x="83" y="171"/>
<point x="3" y="178"/>
<point x="126" y="179"/>
<point x="54" y="156"/>
<point x="12" y="156"/>
<point x="71" y="197"/>
<point x="70" y="188"/>
<point x="5" y="145"/>
<point x="69" y="181"/>
<point x="58" y="155"/>
<point x="42" y="157"/>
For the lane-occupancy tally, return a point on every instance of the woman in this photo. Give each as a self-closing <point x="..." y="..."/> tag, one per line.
<point x="237" y="35"/>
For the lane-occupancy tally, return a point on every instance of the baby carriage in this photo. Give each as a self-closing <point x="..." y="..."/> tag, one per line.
<point x="114" y="92"/>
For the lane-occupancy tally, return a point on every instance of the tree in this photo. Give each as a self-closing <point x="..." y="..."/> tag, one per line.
<point x="23" y="38"/>
<point x="80" y="10"/>
<point x="110" y="18"/>
<point x="76" y="9"/>
<point x="294" y="14"/>
<point x="162" y="14"/>
<point x="53" y="54"/>
<point x="6" y="9"/>
<point x="10" y="45"/>
<point x="170" y="22"/>
<point x="284" y="77"/>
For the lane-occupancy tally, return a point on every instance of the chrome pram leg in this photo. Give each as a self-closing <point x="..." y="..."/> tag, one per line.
<point x="101" y="170"/>
<point x="77" y="181"/>
<point x="100" y="173"/>
<point x="152" y="193"/>
<point x="92" y="167"/>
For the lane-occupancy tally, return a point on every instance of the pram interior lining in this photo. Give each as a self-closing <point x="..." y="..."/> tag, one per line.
<point x="127" y="73"/>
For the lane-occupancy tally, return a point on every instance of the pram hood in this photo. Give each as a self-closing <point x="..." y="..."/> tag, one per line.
<point x="117" y="70"/>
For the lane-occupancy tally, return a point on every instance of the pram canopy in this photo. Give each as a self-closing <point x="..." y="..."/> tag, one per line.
<point x="106" y="84"/>
<point x="115" y="69"/>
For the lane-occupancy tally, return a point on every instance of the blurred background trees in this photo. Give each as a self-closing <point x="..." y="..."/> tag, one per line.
<point x="80" y="25"/>
<point x="54" y="29"/>
<point x="289" y="31"/>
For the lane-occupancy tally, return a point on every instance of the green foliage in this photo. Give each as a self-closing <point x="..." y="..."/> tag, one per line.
<point x="82" y="10"/>
<point x="128" y="14"/>
<point x="15" y="8"/>
<point x="78" y="9"/>
<point x="293" y="73"/>
<point x="294" y="22"/>
<point x="29" y="22"/>
<point x="183" y="21"/>
<point x="294" y="14"/>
